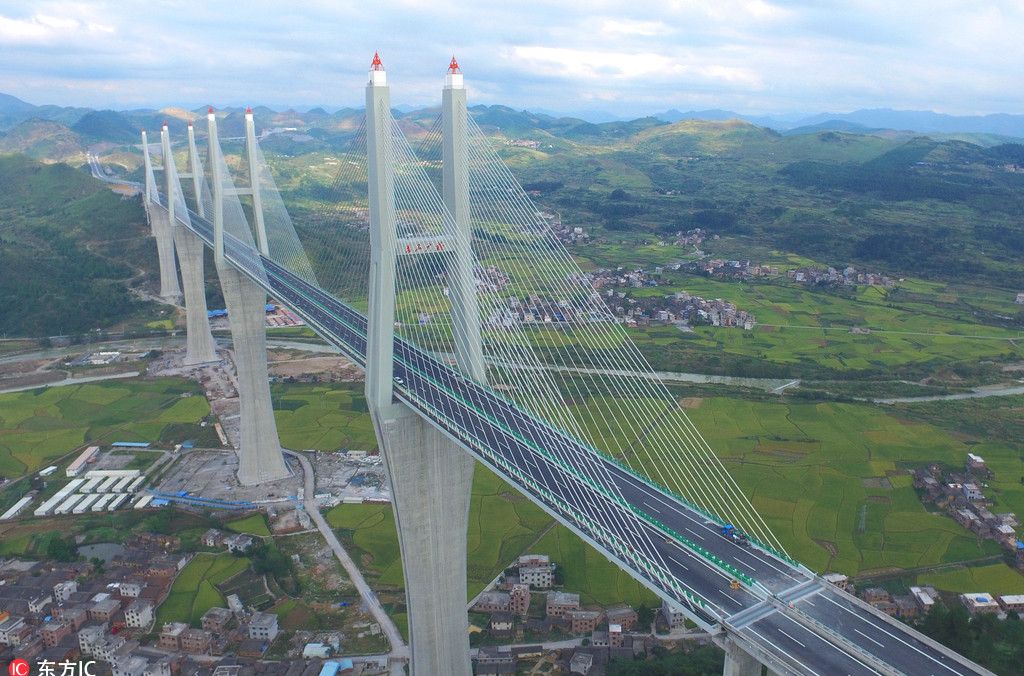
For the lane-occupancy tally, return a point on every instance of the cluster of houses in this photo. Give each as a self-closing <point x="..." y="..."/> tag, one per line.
<point x="733" y="269"/>
<point x="69" y="611"/>
<point x="508" y="608"/>
<point x="817" y="276"/>
<point x="922" y="599"/>
<point x="491" y="279"/>
<point x="566" y="234"/>
<point x="694" y="237"/>
<point x="962" y="495"/>
<point x="849" y="276"/>
<point x="622" y="278"/>
<point x="534" y="309"/>
<point x="680" y="309"/>
<point x="523" y="143"/>
<point x="696" y="311"/>
<point x="57" y="613"/>
<point x="1020" y="299"/>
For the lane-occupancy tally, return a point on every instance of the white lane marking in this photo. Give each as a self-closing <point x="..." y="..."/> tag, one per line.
<point x="694" y="533"/>
<point x="678" y="562"/>
<point x="914" y="648"/>
<point x="869" y="638"/>
<point x="759" y="556"/>
<point x="651" y="507"/>
<point x="790" y="656"/>
<point x="729" y="597"/>
<point x="704" y="562"/>
<point x="747" y="561"/>
<point x="792" y="639"/>
<point x="834" y="647"/>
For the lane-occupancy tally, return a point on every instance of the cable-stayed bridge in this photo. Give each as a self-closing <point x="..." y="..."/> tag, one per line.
<point x="464" y="309"/>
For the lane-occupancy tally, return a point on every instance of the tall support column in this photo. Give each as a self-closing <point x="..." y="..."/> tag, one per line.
<point x="195" y="168"/>
<point x="431" y="478"/>
<point x="455" y="186"/>
<point x="739" y="662"/>
<point x="148" y="180"/>
<point x="254" y="184"/>
<point x="199" y="346"/>
<point x="160" y="226"/>
<point x="259" y="456"/>
<point x="380" y="330"/>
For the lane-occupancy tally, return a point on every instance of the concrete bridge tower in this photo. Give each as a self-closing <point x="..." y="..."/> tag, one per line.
<point x="431" y="478"/>
<point x="259" y="457"/>
<point x="199" y="346"/>
<point x="160" y="226"/>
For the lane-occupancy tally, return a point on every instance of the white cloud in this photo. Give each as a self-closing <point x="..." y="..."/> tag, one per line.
<point x="753" y="55"/>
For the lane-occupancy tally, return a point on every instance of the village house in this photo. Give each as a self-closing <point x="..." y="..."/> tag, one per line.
<point x="492" y="602"/>
<point x="560" y="604"/>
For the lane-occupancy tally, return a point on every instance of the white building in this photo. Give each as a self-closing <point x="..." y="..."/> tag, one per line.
<point x="263" y="627"/>
<point x="673" y="614"/>
<point x="62" y="591"/>
<point x="972" y="492"/>
<point x="88" y="638"/>
<point x="12" y="631"/>
<point x="139" y="614"/>
<point x="923" y="597"/>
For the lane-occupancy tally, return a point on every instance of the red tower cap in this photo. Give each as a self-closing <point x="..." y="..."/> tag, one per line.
<point x="165" y="123"/>
<point x="453" y="67"/>
<point x="376" y="64"/>
<point x="248" y="110"/>
<point x="209" y="111"/>
<point x="190" y="123"/>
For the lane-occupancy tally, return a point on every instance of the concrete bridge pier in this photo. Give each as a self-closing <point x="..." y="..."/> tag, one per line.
<point x="259" y="455"/>
<point x="160" y="227"/>
<point x="169" y="288"/>
<point x="738" y="662"/>
<point x="431" y="482"/>
<point x="199" y="346"/>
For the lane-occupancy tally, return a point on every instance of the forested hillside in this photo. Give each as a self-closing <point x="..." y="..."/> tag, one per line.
<point x="67" y="247"/>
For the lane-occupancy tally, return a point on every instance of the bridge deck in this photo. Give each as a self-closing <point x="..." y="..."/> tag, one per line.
<point x="822" y="631"/>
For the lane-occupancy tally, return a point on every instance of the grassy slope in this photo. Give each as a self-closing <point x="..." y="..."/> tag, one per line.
<point x="38" y="426"/>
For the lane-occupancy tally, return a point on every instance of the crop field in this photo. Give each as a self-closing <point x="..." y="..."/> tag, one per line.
<point x="195" y="589"/>
<point x="831" y="481"/>
<point x="375" y="541"/>
<point x="253" y="525"/>
<point x="997" y="579"/>
<point x="800" y="328"/>
<point x="38" y="426"/>
<point x="322" y="417"/>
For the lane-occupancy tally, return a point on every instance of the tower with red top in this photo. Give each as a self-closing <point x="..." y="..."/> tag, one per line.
<point x="431" y="478"/>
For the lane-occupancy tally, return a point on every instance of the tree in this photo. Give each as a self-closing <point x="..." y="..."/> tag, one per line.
<point x="60" y="549"/>
<point x="644" y="615"/>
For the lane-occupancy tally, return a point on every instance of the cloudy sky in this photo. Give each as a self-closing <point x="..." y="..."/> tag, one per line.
<point x="627" y="58"/>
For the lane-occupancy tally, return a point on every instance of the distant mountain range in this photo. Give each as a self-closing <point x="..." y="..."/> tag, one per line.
<point x="63" y="133"/>
<point x="921" y="121"/>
